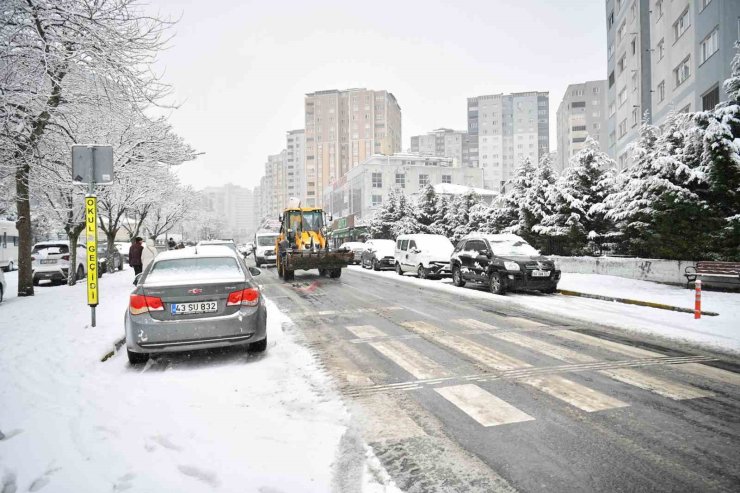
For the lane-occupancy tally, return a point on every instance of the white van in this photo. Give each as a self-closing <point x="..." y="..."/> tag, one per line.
<point x="426" y="255"/>
<point x="8" y="245"/>
<point x="264" y="248"/>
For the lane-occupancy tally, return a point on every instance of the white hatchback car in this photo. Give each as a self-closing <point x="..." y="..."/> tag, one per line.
<point x="3" y="286"/>
<point x="50" y="261"/>
<point x="426" y="255"/>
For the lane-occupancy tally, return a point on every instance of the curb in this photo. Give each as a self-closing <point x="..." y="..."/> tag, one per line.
<point x="116" y="346"/>
<point x="633" y="302"/>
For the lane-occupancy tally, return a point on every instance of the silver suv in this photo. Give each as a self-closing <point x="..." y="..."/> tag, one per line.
<point x="50" y="261"/>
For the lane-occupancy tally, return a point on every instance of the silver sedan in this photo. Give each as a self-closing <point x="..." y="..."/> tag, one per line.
<point x="195" y="298"/>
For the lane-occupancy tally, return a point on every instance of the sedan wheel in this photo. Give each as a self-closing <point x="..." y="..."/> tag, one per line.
<point x="496" y="283"/>
<point x="457" y="278"/>
<point x="136" y="358"/>
<point x="258" y="347"/>
<point x="1" y="294"/>
<point x="80" y="273"/>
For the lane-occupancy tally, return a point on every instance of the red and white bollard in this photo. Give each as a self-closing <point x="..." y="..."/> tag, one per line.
<point x="697" y="303"/>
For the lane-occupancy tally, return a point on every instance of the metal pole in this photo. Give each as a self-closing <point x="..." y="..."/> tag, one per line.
<point x="91" y="191"/>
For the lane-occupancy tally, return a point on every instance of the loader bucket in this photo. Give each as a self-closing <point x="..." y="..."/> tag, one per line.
<point x="317" y="260"/>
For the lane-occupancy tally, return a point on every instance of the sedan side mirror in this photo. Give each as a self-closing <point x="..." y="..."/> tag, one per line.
<point x="136" y="279"/>
<point x="254" y="271"/>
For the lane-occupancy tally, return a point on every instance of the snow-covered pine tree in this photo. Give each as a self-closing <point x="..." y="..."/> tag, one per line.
<point x="535" y="207"/>
<point x="406" y="223"/>
<point x="720" y="161"/>
<point x="458" y="214"/>
<point x="427" y="209"/>
<point x="507" y="217"/>
<point x="573" y="197"/>
<point x="381" y="225"/>
<point x="439" y="225"/>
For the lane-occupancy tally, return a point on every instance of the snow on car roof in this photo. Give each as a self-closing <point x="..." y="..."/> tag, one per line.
<point x="495" y="237"/>
<point x="195" y="252"/>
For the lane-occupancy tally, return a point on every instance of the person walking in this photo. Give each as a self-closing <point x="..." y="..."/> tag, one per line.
<point x="148" y="253"/>
<point x="134" y="255"/>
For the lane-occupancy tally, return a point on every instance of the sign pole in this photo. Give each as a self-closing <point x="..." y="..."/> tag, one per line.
<point x="91" y="211"/>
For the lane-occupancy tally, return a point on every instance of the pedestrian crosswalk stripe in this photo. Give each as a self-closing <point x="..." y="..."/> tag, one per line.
<point x="666" y="388"/>
<point x="365" y="331"/>
<point x="711" y="372"/>
<point x="574" y="393"/>
<point x="475" y="351"/>
<point x="616" y="347"/>
<point x="409" y="359"/>
<point x="482" y="406"/>
<point x="552" y="350"/>
<point x="471" y="323"/>
<point x="525" y="322"/>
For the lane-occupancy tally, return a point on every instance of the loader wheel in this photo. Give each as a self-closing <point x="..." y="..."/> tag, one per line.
<point x="335" y="273"/>
<point x="280" y="269"/>
<point x="288" y="275"/>
<point x="322" y="271"/>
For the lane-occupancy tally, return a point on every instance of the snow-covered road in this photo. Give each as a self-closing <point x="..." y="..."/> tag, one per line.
<point x="220" y="420"/>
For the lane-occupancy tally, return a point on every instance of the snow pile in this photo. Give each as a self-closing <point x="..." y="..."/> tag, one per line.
<point x="182" y="422"/>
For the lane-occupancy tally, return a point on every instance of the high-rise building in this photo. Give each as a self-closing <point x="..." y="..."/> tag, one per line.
<point x="344" y="128"/>
<point x="664" y="56"/>
<point x="233" y="204"/>
<point x="444" y="142"/>
<point x="581" y="114"/>
<point x="295" y="162"/>
<point x="505" y="129"/>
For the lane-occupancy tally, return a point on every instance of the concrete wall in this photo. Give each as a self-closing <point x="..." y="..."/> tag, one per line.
<point x="667" y="271"/>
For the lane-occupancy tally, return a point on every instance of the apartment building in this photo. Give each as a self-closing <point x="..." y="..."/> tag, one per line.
<point x="364" y="188"/>
<point x="343" y="129"/>
<point x="581" y="113"/>
<point x="295" y="182"/>
<point x="444" y="142"/>
<point x="664" y="56"/>
<point x="235" y="206"/>
<point x="505" y="129"/>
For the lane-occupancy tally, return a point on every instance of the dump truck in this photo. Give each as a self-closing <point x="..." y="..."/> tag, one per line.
<point x="302" y="244"/>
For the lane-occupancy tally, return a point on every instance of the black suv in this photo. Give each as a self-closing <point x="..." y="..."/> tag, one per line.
<point x="503" y="262"/>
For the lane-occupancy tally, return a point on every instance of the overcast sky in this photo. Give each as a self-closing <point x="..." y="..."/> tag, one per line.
<point x="241" y="68"/>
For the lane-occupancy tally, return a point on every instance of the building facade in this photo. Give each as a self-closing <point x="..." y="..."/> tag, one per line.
<point x="234" y="205"/>
<point x="343" y="129"/>
<point x="365" y="187"/>
<point x="664" y="56"/>
<point x="505" y="129"/>
<point x="444" y="142"/>
<point x="581" y="113"/>
<point x="295" y="156"/>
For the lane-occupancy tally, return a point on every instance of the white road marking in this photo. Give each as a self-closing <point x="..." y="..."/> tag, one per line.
<point x="478" y="352"/>
<point x="475" y="324"/>
<point x="410" y="360"/>
<point x="365" y="331"/>
<point x="482" y="406"/>
<point x="552" y="350"/>
<point x="616" y="347"/>
<point x="666" y="388"/>
<point x="711" y="372"/>
<point x="525" y="322"/>
<point x="574" y="393"/>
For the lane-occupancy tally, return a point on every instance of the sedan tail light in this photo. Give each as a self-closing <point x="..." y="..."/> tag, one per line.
<point x="246" y="297"/>
<point x="139" y="304"/>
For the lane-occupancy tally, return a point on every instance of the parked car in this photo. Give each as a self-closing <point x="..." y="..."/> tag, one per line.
<point x="3" y="286"/>
<point x="123" y="250"/>
<point x="191" y="299"/>
<point x="226" y="243"/>
<point x="378" y="255"/>
<point x="426" y="255"/>
<point x="103" y="259"/>
<point x="50" y="261"/>
<point x="264" y="248"/>
<point x="503" y="262"/>
<point x="356" y="247"/>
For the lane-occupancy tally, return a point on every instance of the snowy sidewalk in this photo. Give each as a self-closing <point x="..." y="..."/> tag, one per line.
<point x="220" y="420"/>
<point x="721" y="332"/>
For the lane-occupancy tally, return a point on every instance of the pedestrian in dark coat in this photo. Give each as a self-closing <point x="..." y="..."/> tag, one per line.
<point x="134" y="255"/>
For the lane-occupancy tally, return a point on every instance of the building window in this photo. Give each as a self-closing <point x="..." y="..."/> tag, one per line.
<point x="681" y="25"/>
<point x="620" y="31"/>
<point x="622" y="128"/>
<point x="446" y="178"/>
<point x="635" y="84"/>
<point x="622" y="96"/>
<point x="401" y="180"/>
<point x="635" y="116"/>
<point x="610" y="20"/>
<point x="685" y="109"/>
<point x="704" y="3"/>
<point x="612" y="139"/>
<point x="661" y="49"/>
<point x="423" y="180"/>
<point x="612" y="108"/>
<point x="659" y="8"/>
<point x="622" y="64"/>
<point x="596" y="90"/>
<point x="610" y="52"/>
<point x="661" y="91"/>
<point x="683" y="71"/>
<point x="377" y="180"/>
<point x="611" y="74"/>
<point x="709" y="46"/>
<point x="710" y="99"/>
<point x="579" y="128"/>
<point x="578" y="104"/>
<point x="577" y="140"/>
<point x="377" y="200"/>
<point x="633" y="45"/>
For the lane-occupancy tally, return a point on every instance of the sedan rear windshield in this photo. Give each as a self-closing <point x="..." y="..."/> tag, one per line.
<point x="200" y="269"/>
<point x="51" y="249"/>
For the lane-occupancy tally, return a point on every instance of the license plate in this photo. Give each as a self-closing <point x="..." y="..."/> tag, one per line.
<point x="48" y="261"/>
<point x="195" y="307"/>
<point x="540" y="273"/>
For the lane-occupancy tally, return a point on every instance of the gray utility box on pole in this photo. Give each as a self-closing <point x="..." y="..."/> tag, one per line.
<point x="92" y="164"/>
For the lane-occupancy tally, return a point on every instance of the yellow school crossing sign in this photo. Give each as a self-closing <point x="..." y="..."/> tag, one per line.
<point x="91" y="256"/>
